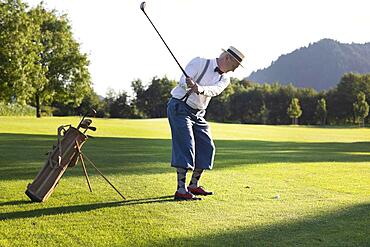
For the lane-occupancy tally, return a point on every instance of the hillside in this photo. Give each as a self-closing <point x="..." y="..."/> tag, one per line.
<point x="319" y="66"/>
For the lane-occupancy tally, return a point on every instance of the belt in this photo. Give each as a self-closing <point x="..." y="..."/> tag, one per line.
<point x="187" y="105"/>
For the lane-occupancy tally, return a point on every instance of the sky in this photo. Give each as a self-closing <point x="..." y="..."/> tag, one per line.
<point x="122" y="46"/>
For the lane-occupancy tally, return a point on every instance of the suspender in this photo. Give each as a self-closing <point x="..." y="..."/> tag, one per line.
<point x="186" y="96"/>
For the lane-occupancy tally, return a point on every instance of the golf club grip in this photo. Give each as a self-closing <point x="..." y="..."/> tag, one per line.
<point x="183" y="71"/>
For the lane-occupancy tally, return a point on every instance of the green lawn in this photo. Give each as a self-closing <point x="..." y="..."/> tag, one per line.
<point x="322" y="176"/>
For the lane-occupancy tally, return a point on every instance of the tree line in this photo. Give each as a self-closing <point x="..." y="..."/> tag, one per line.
<point x="247" y="102"/>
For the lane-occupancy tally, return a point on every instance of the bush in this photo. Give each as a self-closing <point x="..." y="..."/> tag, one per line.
<point x="16" y="110"/>
<point x="47" y="111"/>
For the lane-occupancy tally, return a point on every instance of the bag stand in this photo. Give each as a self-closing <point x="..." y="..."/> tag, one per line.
<point x="82" y="156"/>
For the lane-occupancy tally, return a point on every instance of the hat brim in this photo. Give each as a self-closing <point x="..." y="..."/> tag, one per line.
<point x="233" y="57"/>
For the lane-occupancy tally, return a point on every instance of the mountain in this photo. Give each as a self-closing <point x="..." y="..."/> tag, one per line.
<point x="319" y="66"/>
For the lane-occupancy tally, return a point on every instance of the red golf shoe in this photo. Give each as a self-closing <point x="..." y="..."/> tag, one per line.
<point x="186" y="196"/>
<point x="200" y="191"/>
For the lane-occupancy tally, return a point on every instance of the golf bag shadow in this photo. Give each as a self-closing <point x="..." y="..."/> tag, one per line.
<point x="62" y="156"/>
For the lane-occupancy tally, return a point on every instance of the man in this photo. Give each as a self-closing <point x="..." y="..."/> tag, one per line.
<point x="192" y="144"/>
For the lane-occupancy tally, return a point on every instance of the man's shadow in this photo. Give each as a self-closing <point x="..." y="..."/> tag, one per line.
<point x="75" y="208"/>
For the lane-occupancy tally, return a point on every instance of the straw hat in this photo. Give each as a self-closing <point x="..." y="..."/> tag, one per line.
<point x="235" y="53"/>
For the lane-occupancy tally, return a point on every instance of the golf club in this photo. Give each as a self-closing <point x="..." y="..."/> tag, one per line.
<point x="83" y="118"/>
<point x="142" y="7"/>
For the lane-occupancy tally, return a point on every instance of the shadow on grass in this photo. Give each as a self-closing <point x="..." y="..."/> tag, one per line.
<point x="22" y="156"/>
<point x="335" y="127"/>
<point x="345" y="227"/>
<point x="15" y="203"/>
<point x="75" y="208"/>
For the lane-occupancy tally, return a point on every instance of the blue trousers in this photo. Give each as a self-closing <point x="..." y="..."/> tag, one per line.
<point x="192" y="144"/>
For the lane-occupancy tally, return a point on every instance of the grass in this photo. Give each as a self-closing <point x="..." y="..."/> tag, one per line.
<point x="321" y="175"/>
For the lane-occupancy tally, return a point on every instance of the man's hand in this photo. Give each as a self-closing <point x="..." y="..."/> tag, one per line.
<point x="194" y="87"/>
<point x="189" y="82"/>
<point x="197" y="89"/>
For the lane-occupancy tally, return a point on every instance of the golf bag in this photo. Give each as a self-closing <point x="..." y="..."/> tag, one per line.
<point x="63" y="155"/>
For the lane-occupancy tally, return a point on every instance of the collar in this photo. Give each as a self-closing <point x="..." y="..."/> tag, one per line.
<point x="216" y="68"/>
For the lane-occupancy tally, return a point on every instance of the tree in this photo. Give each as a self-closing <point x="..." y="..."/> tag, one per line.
<point x="152" y="102"/>
<point x="20" y="71"/>
<point x="118" y="105"/>
<point x="308" y="100"/>
<point x="361" y="109"/>
<point x="219" y="106"/>
<point x="93" y="100"/>
<point x="340" y="99"/>
<point x="264" y="114"/>
<point x="238" y="107"/>
<point x="138" y="103"/>
<point x="294" y="110"/>
<point x="39" y="59"/>
<point x="277" y="101"/>
<point x="321" y="111"/>
<point x="67" y="76"/>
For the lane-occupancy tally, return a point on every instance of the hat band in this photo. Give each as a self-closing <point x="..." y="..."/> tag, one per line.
<point x="234" y="55"/>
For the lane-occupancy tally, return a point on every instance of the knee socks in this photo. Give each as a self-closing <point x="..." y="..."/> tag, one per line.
<point x="181" y="180"/>
<point x="197" y="173"/>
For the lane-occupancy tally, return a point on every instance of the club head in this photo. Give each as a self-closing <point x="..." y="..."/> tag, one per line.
<point x="142" y="6"/>
<point x="92" y="128"/>
<point x="93" y="111"/>
<point x="85" y="124"/>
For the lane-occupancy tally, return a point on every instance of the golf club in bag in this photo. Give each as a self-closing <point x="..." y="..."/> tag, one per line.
<point x="65" y="154"/>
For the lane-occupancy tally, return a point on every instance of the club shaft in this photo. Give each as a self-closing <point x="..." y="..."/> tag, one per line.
<point x="83" y="118"/>
<point x="183" y="71"/>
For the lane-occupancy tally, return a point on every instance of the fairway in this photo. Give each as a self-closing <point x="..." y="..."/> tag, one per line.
<point x="274" y="186"/>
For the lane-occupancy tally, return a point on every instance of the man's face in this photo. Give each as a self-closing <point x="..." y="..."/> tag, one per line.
<point x="230" y="64"/>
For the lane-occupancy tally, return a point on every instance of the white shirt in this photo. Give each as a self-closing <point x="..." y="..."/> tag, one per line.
<point x="212" y="83"/>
